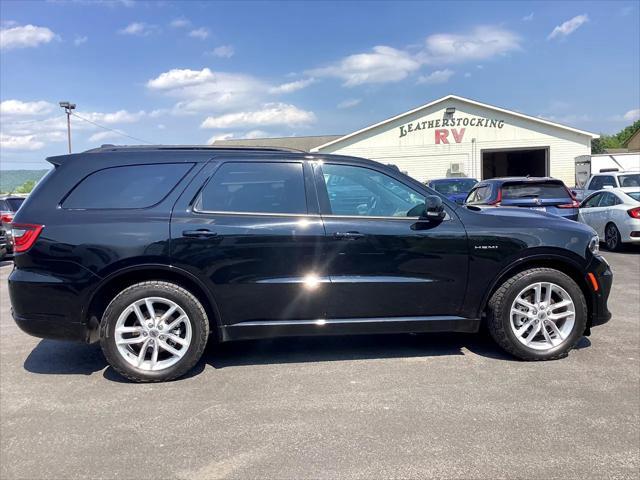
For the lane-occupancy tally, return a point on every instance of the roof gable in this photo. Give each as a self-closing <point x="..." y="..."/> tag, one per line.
<point x="463" y="100"/>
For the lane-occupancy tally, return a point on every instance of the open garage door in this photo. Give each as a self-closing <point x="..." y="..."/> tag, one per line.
<point x="515" y="163"/>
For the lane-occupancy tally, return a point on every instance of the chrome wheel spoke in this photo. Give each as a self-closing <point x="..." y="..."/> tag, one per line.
<point x="138" y="337"/>
<point x="549" y="318"/>
<point x="170" y="349"/>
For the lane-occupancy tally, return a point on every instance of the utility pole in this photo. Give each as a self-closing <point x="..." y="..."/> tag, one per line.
<point x="67" y="109"/>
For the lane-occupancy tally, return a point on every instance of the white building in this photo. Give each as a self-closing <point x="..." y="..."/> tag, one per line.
<point x="455" y="136"/>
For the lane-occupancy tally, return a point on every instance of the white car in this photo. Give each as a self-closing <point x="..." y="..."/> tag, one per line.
<point x="614" y="214"/>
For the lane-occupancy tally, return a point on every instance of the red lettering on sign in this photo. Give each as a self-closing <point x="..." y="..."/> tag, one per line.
<point x="441" y="136"/>
<point x="457" y="134"/>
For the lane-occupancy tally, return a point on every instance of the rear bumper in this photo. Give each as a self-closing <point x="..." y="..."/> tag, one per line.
<point x="47" y="307"/>
<point x="600" y="313"/>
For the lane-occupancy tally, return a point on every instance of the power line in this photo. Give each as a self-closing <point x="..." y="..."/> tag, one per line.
<point x="119" y="132"/>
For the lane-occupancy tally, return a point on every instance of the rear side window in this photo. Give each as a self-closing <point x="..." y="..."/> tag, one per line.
<point x="479" y="195"/>
<point x="534" y="190"/>
<point x="14" y="203"/>
<point x="132" y="186"/>
<point x="255" y="188"/>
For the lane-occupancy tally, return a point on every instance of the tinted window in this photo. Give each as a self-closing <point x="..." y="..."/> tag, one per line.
<point x="632" y="180"/>
<point x="365" y="192"/>
<point x="600" y="181"/>
<point x="592" y="201"/>
<point x="132" y="186"/>
<point x="511" y="191"/>
<point x="3" y="206"/>
<point x="450" y="187"/>
<point x="479" y="195"/>
<point x="14" y="203"/>
<point x="256" y="188"/>
<point x="608" y="200"/>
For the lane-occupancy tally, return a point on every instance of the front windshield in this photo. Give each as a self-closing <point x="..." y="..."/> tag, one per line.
<point x="634" y="195"/>
<point x="631" y="180"/>
<point x="450" y="187"/>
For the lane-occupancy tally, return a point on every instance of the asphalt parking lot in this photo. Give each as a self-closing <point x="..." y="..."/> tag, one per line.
<point x="405" y="406"/>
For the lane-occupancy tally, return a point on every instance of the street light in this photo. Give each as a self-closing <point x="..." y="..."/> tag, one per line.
<point x="67" y="109"/>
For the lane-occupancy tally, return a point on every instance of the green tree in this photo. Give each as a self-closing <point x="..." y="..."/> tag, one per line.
<point x="26" y="187"/>
<point x="618" y="140"/>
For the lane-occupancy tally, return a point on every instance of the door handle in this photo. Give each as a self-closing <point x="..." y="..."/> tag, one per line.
<point x="348" y="235"/>
<point x="201" y="233"/>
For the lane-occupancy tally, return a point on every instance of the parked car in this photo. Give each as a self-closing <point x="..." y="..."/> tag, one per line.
<point x="608" y="179"/>
<point x="536" y="193"/>
<point x="9" y="205"/>
<point x="614" y="214"/>
<point x="149" y="249"/>
<point x="455" y="189"/>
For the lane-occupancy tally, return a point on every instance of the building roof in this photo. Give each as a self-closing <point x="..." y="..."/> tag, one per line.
<point x="464" y="100"/>
<point x="632" y="139"/>
<point x="298" y="143"/>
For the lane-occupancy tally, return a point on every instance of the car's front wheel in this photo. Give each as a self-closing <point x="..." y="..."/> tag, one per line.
<point x="154" y="331"/>
<point x="538" y="314"/>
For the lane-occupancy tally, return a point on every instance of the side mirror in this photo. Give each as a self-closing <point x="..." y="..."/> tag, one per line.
<point x="433" y="209"/>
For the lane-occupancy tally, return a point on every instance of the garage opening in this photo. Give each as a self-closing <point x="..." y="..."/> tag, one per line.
<point x="515" y="163"/>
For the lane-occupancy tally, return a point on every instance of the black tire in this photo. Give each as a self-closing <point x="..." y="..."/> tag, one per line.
<point x="612" y="238"/>
<point x="197" y="318"/>
<point x="499" y="313"/>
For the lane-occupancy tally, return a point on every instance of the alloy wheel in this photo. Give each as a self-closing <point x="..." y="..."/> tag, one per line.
<point x="611" y="237"/>
<point x="153" y="333"/>
<point x="542" y="316"/>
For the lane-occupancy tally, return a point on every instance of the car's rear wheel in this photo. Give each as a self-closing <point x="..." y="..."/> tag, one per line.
<point x="538" y="314"/>
<point x="612" y="238"/>
<point x="154" y="331"/>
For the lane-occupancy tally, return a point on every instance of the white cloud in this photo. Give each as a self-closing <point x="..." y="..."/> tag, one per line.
<point x="121" y="116"/>
<point x="481" y="43"/>
<point x="568" y="27"/>
<point x="349" y="103"/>
<point x="101" y="136"/>
<point x="220" y="136"/>
<point x="439" y="76"/>
<point x="292" y="86"/>
<point x="161" y="126"/>
<point x="632" y="115"/>
<point x="223" y="51"/>
<point x="18" y="107"/>
<point x="201" y="33"/>
<point x="384" y="64"/>
<point x="568" y="119"/>
<point x="204" y="90"/>
<point x="24" y="36"/>
<point x="467" y="74"/>
<point x="80" y="40"/>
<point x="20" y="142"/>
<point x="139" y="29"/>
<point x="269" y="114"/>
<point x="180" y="23"/>
<point x="255" y="134"/>
<point x="177" y="78"/>
<point x="528" y="18"/>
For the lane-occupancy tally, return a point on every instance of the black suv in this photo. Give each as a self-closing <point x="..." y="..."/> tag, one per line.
<point x="150" y="249"/>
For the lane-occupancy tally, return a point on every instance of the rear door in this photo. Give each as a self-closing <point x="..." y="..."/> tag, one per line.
<point x="382" y="261"/>
<point x="251" y="230"/>
<point x="589" y="211"/>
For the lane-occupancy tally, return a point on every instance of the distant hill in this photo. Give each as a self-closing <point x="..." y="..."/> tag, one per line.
<point x="10" y="179"/>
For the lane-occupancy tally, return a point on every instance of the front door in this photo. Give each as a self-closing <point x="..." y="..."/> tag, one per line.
<point x="381" y="260"/>
<point x="251" y="236"/>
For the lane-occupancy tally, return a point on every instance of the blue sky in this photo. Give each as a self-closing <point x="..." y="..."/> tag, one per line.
<point x="189" y="72"/>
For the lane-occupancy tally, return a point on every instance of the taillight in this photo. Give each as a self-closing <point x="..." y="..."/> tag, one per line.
<point x="574" y="204"/>
<point x="6" y="218"/>
<point x="24" y="236"/>
<point x="496" y="202"/>
<point x="634" y="212"/>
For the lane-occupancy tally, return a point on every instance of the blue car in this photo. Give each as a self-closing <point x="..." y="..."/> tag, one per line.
<point x="537" y="193"/>
<point x="455" y="189"/>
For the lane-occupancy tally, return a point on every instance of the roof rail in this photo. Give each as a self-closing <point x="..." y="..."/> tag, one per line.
<point x="115" y="148"/>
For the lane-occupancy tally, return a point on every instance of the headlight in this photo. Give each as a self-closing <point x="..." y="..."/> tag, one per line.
<point x="594" y="244"/>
